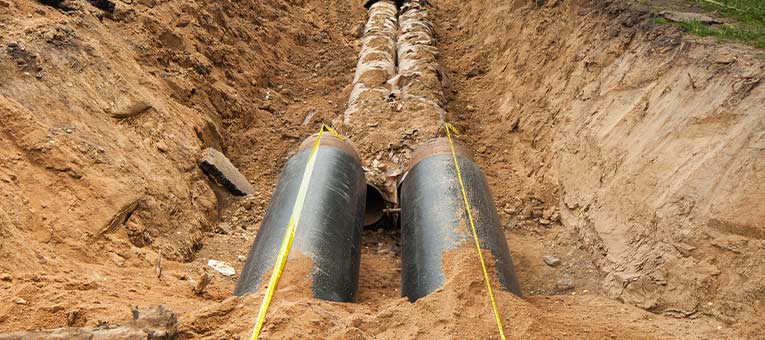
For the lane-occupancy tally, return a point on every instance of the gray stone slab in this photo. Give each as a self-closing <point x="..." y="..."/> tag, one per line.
<point x="218" y="167"/>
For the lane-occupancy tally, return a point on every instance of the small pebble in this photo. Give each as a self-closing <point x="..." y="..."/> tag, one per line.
<point x="565" y="284"/>
<point x="550" y="260"/>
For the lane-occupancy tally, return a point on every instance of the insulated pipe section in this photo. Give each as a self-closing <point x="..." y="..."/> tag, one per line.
<point x="329" y="231"/>
<point x="434" y="220"/>
<point x="377" y="59"/>
<point x="420" y="77"/>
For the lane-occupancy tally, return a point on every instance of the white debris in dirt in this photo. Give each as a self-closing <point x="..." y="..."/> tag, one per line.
<point x="221" y="267"/>
<point x="20" y="301"/>
<point x="551" y="260"/>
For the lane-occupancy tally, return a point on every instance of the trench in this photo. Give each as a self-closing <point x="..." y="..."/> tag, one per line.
<point x="399" y="71"/>
<point x="624" y="159"/>
<point x="397" y="63"/>
<point x="404" y="75"/>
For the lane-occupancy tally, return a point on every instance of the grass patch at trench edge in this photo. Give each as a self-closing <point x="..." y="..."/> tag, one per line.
<point x="748" y="26"/>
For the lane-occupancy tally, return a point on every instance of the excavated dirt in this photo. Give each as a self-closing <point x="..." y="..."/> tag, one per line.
<point x="629" y="151"/>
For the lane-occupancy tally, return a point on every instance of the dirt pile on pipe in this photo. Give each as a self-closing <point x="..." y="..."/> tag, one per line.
<point x="459" y="309"/>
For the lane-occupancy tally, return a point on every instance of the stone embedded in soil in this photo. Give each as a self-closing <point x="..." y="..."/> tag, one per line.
<point x="200" y="287"/>
<point x="132" y="110"/>
<point x="223" y="228"/>
<point x="118" y="260"/>
<point x="565" y="284"/>
<point x="20" y="301"/>
<point x="148" y="323"/>
<point x="218" y="167"/>
<point x="550" y="260"/>
<point x="689" y="16"/>
<point x="6" y="277"/>
<point x="104" y="5"/>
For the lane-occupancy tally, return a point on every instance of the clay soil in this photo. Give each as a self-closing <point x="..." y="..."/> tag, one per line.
<point x="632" y="152"/>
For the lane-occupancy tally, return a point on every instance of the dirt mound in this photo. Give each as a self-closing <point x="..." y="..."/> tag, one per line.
<point x="105" y="117"/>
<point x="650" y="146"/>
<point x="459" y="309"/>
<point x="629" y="151"/>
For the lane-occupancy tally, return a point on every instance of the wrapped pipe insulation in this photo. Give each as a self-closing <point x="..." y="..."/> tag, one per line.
<point x="420" y="77"/>
<point x="377" y="59"/>
<point x="434" y="220"/>
<point x="329" y="231"/>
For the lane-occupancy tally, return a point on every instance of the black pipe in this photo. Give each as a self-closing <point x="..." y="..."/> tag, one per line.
<point x="375" y="206"/>
<point x="434" y="219"/>
<point x="329" y="231"/>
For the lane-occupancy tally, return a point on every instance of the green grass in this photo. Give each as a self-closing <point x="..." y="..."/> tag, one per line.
<point x="745" y="11"/>
<point x="747" y="26"/>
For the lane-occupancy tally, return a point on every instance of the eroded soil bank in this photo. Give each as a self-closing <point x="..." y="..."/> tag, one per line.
<point x="632" y="153"/>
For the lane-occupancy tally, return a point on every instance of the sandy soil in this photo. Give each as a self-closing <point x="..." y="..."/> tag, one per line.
<point x="629" y="151"/>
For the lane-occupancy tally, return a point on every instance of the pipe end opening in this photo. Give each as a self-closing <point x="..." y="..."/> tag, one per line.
<point x="375" y="206"/>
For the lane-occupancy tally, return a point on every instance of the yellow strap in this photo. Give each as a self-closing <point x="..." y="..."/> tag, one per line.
<point x="449" y="129"/>
<point x="289" y="234"/>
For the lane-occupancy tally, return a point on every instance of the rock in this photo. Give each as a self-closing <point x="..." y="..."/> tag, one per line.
<point x="200" y="287"/>
<point x="104" y="5"/>
<point x="221" y="267"/>
<point x="547" y="213"/>
<point x="241" y="258"/>
<point x="550" y="260"/>
<point x="122" y="216"/>
<point x="223" y="228"/>
<point x="20" y="301"/>
<point x="75" y="318"/>
<point x="148" y="323"/>
<point x="689" y="16"/>
<point x="132" y="110"/>
<point x="220" y="169"/>
<point x="6" y="277"/>
<point x="64" y="5"/>
<point x="536" y="213"/>
<point x="544" y="221"/>
<point x="555" y="217"/>
<point x="148" y="3"/>
<point x="162" y="146"/>
<point x="683" y="248"/>
<point x="724" y="57"/>
<point x="356" y="322"/>
<point x="565" y="284"/>
<point x="118" y="260"/>
<point x="627" y="277"/>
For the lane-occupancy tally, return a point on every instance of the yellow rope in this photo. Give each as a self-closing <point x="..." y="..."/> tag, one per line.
<point x="449" y="129"/>
<point x="289" y="235"/>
